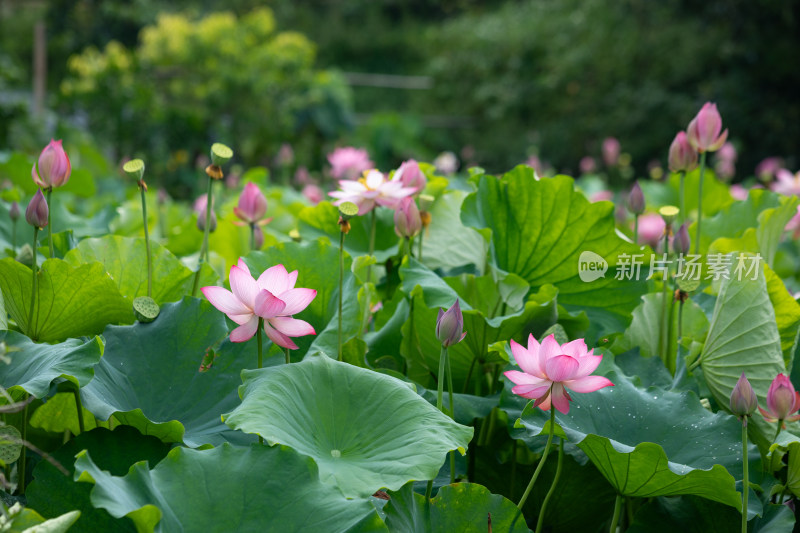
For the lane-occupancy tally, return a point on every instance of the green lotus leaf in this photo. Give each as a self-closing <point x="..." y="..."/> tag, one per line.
<point x="52" y="492"/>
<point x="365" y="430"/>
<point x="72" y="301"/>
<point x="25" y="520"/>
<point x="650" y="442"/>
<point x="149" y="376"/>
<point x="259" y="489"/>
<point x="3" y="314"/>
<point x="540" y="228"/>
<point x="33" y="367"/>
<point x="59" y="413"/>
<point x="125" y="260"/>
<point x="463" y="507"/>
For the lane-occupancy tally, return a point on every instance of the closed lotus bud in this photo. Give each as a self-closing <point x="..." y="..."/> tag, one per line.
<point x="53" y="168"/>
<point x="411" y="176"/>
<point x="13" y="211"/>
<point x="37" y="212"/>
<point x="743" y="399"/>
<point x="201" y="220"/>
<point x="682" y="242"/>
<point x="611" y="151"/>
<point x="636" y="201"/>
<point x="782" y="399"/>
<point x="704" y="130"/>
<point x="407" y="221"/>
<point x="252" y="204"/>
<point x="449" y="326"/>
<point x="682" y="156"/>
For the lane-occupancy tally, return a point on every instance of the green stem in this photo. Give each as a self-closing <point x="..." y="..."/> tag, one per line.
<point x="681" y="197"/>
<point x="23" y="452"/>
<point x="429" y="491"/>
<point x="440" y="378"/>
<point x="204" y="249"/>
<point x="469" y="373"/>
<point x="700" y="203"/>
<point x="452" y="415"/>
<point x="780" y="425"/>
<point x="373" y="223"/>
<point x="79" y="406"/>
<point x="14" y="236"/>
<point x="419" y="245"/>
<point x="745" y="478"/>
<point x="258" y="339"/>
<point x="341" y="288"/>
<point x="288" y="357"/>
<point x="552" y="487"/>
<point x="541" y="461"/>
<point x="617" y="513"/>
<point x="252" y="236"/>
<point x="636" y="229"/>
<point x="49" y="192"/>
<point x="147" y="245"/>
<point x="34" y="293"/>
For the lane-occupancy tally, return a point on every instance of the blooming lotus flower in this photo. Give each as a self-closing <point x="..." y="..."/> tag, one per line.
<point x="682" y="155"/>
<point x="37" y="212"/>
<point x="407" y="220"/>
<point x="449" y="326"/>
<point x="611" y="150"/>
<point x="373" y="188"/>
<point x="787" y="183"/>
<point x="53" y="166"/>
<point x="252" y="205"/>
<point x="272" y="297"/>
<point x="704" y="130"/>
<point x="743" y="399"/>
<point x="411" y="176"/>
<point x="446" y="163"/>
<point x="348" y="162"/>
<point x="782" y="400"/>
<point x="549" y="369"/>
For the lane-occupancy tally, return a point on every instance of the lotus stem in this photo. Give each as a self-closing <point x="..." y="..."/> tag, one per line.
<point x="23" y="454"/>
<point x="373" y="222"/>
<point x="35" y="292"/>
<point x="419" y="245"/>
<point x="258" y="340"/>
<point x="288" y="357"/>
<point x="617" y="514"/>
<point x="341" y="287"/>
<point x="700" y="203"/>
<point x="440" y="377"/>
<point x="681" y="198"/>
<point x="204" y="249"/>
<point x="745" y="477"/>
<point x="14" y="236"/>
<point x="252" y="236"/>
<point x="538" y="470"/>
<point x="79" y="407"/>
<point x="552" y="487"/>
<point x="48" y="193"/>
<point x="452" y="414"/>
<point x="636" y="229"/>
<point x="147" y="244"/>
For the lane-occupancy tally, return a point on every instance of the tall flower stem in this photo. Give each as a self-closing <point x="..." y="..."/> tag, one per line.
<point x="617" y="514"/>
<point x="665" y="310"/>
<point x="79" y="407"/>
<point x="682" y="196"/>
<point x="23" y="452"/>
<point x="538" y="470"/>
<point x="452" y="414"/>
<point x="745" y="477"/>
<point x="552" y="487"/>
<point x="258" y="340"/>
<point x="373" y="222"/>
<point x="14" y="236"/>
<point x="341" y="288"/>
<point x="252" y="236"/>
<point x="142" y="188"/>
<point x="700" y="203"/>
<point x="636" y="229"/>
<point x="440" y="378"/>
<point x="288" y="356"/>
<point x="204" y="249"/>
<point x="35" y="292"/>
<point x="48" y="192"/>
<point x="419" y="245"/>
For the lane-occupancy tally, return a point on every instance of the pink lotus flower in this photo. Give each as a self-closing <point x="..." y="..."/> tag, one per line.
<point x="313" y="193"/>
<point x="782" y="401"/>
<point x="738" y="192"/>
<point x="682" y="156"/>
<point x="651" y="229"/>
<point x="348" y="162"/>
<point x="611" y="151"/>
<point x="370" y="190"/>
<point x="587" y="165"/>
<point x="767" y="168"/>
<point x="53" y="166"/>
<point x="704" y="130"/>
<point x="411" y="176"/>
<point x="37" y="214"/>
<point x="787" y="183"/>
<point x="602" y="196"/>
<point x="450" y="325"/>
<point x="407" y="220"/>
<point x="549" y="369"/>
<point x="252" y="205"/>
<point x="794" y="224"/>
<point x="272" y="297"/>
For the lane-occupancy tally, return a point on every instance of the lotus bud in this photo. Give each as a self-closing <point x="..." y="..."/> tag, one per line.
<point x="411" y="176"/>
<point x="285" y="155"/>
<point x="201" y="220"/>
<point x="449" y="326"/>
<point x="682" y="156"/>
<point x="782" y="397"/>
<point x="611" y="151"/>
<point x="252" y="204"/>
<point x="743" y="399"/>
<point x="636" y="201"/>
<point x="407" y="221"/>
<point x="53" y="166"/>
<point x="704" y="130"/>
<point x="13" y="211"/>
<point x="682" y="243"/>
<point x="37" y="212"/>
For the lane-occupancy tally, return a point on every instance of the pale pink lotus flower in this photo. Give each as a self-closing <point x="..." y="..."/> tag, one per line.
<point x="611" y="151"/>
<point x="786" y="183"/>
<point x="601" y="196"/>
<point x="587" y="165"/>
<point x="782" y="401"/>
<point x="738" y="192"/>
<point x="348" y="163"/>
<point x="411" y="176"/>
<point x="704" y="129"/>
<point x="200" y="204"/>
<point x="549" y="369"/>
<point x="767" y="168"/>
<point x="651" y="229"/>
<point x="313" y="193"/>
<point x="446" y="163"/>
<point x="53" y="166"/>
<point x="252" y="204"/>
<point x="371" y="190"/>
<point x="272" y="297"/>
<point x="682" y="155"/>
<point x="407" y="220"/>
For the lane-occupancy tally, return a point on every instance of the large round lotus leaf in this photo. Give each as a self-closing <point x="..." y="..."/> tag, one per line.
<point x="34" y="366"/>
<point x="365" y="430"/>
<point x="258" y="489"/>
<point x="150" y="375"/>
<point x="72" y="301"/>
<point x="539" y="230"/>
<point x="52" y="492"/>
<point x="463" y="507"/>
<point x="651" y="442"/>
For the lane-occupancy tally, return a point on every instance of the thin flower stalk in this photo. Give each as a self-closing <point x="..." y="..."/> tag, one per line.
<point x="700" y="204"/>
<point x="538" y="470"/>
<point x="552" y="490"/>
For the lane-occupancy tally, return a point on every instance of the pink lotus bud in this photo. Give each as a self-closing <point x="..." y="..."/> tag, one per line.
<point x="201" y="220"/>
<point x="611" y="151"/>
<point x="302" y="176"/>
<point x="285" y="155"/>
<point x="449" y="326"/>
<point x="782" y="399"/>
<point x="636" y="201"/>
<point x="682" y="156"/>
<point x="651" y="229"/>
<point x="743" y="398"/>
<point x="704" y="130"/>
<point x="407" y="221"/>
<point x="314" y="194"/>
<point x="411" y="176"/>
<point x="767" y="168"/>
<point x="37" y="212"/>
<point x="348" y="163"/>
<point x="13" y="211"/>
<point x="588" y="165"/>
<point x="53" y="166"/>
<point x="252" y="204"/>
<point x="681" y="243"/>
